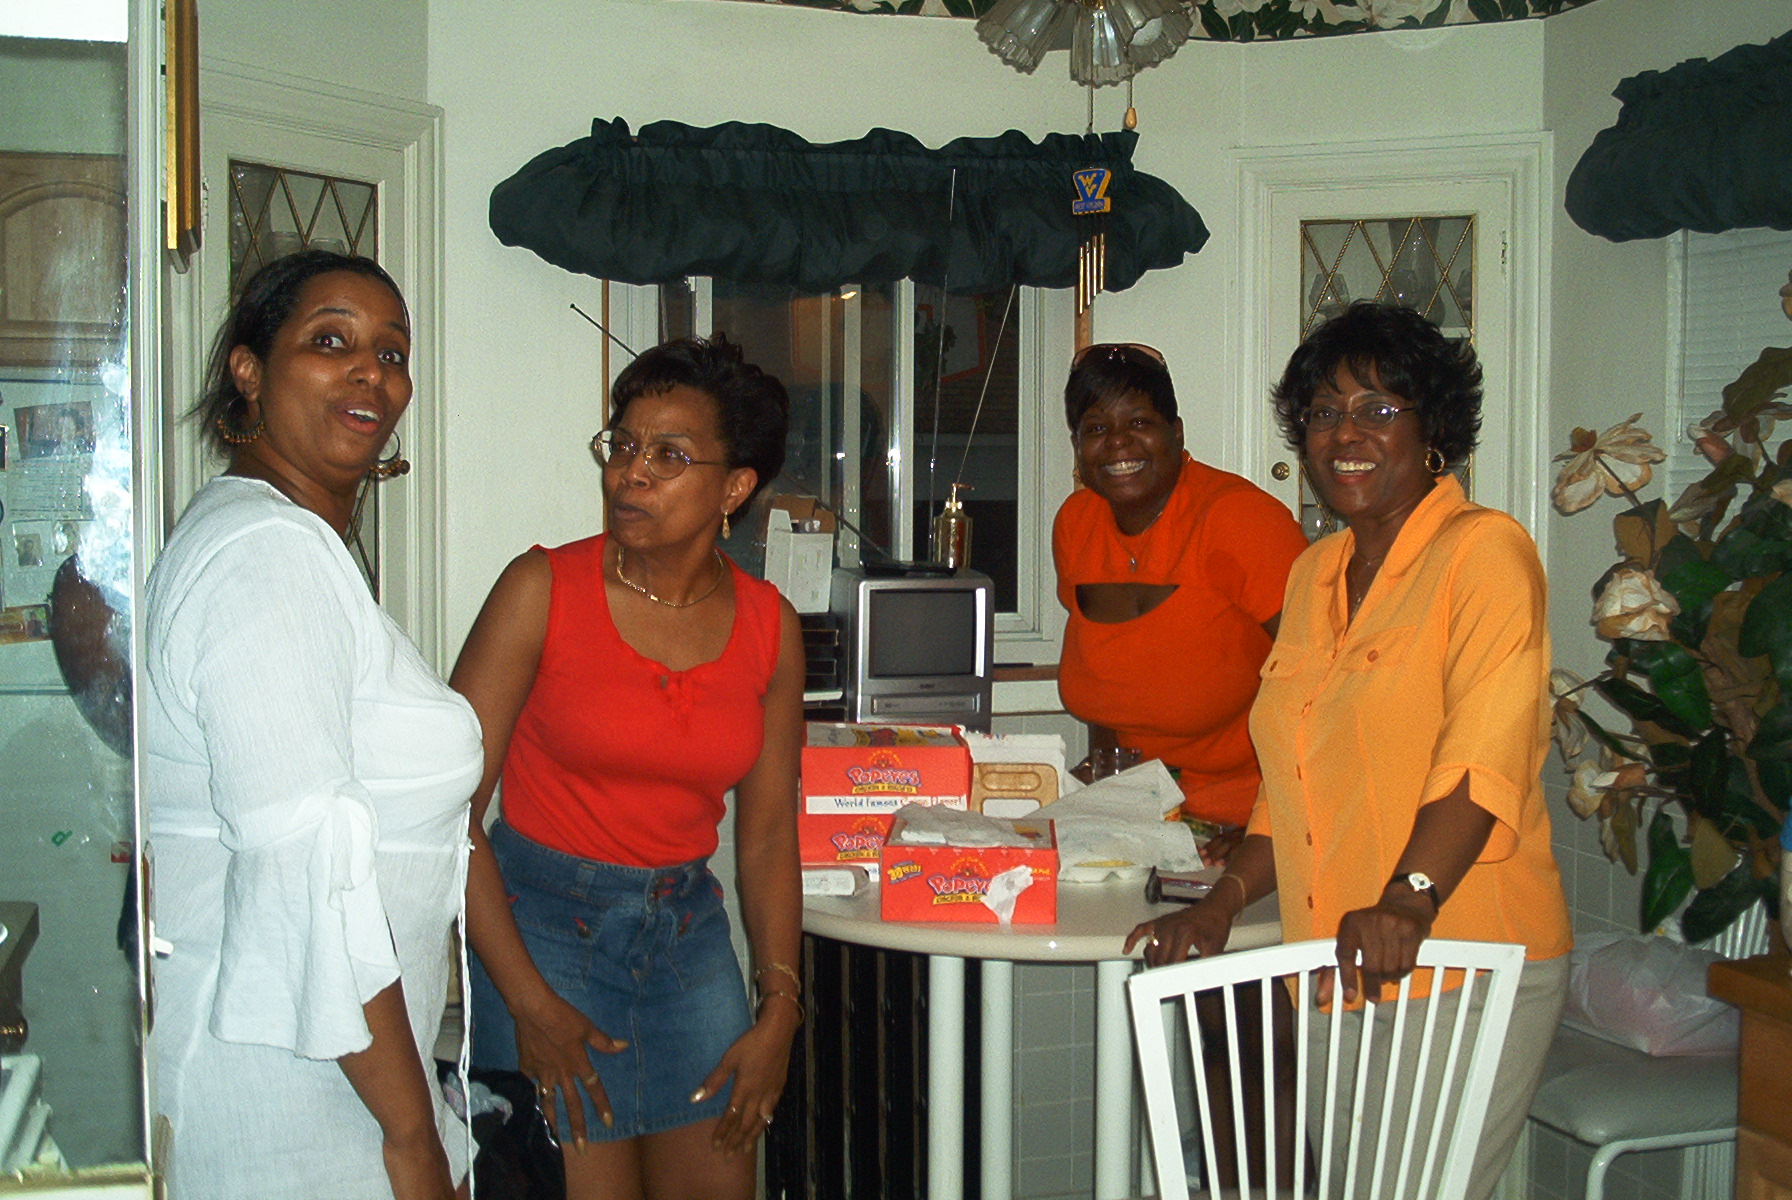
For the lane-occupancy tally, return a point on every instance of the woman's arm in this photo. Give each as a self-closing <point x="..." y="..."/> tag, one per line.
<point x="495" y="672"/>
<point x="1201" y="930"/>
<point x="1448" y="835"/>
<point x="389" y="1078"/>
<point x="771" y="902"/>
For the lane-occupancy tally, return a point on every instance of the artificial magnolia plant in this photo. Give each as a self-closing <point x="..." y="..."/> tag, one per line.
<point x="1698" y="611"/>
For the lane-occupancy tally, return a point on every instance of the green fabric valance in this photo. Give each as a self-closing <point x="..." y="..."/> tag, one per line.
<point x="1704" y="145"/>
<point x="756" y="204"/>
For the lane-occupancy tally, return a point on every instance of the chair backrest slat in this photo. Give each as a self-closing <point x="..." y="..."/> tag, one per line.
<point x="1388" y="1100"/>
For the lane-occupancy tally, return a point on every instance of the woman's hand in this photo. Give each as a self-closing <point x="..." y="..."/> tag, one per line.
<point x="1200" y="930"/>
<point x="551" y="1038"/>
<point x="1382" y="942"/>
<point x="417" y="1166"/>
<point x="1218" y="848"/>
<point x="757" y="1061"/>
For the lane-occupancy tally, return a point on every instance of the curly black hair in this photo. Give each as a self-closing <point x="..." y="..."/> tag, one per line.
<point x="1407" y="356"/>
<point x="1117" y="369"/>
<point x="261" y="308"/>
<point x="752" y="407"/>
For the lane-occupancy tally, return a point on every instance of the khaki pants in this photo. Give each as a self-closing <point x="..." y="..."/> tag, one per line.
<point x="1542" y="991"/>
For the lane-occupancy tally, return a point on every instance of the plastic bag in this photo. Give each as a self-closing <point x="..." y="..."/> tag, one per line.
<point x="1648" y="993"/>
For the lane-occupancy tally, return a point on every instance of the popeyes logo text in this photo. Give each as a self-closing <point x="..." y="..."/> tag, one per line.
<point x="884" y="773"/>
<point x="864" y="840"/>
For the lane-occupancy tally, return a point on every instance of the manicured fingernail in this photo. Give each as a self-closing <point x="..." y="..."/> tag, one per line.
<point x="698" y="1096"/>
<point x="620" y="1046"/>
<point x="578" y="1144"/>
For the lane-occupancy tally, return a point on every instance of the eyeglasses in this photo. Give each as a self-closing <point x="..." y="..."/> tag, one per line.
<point x="615" y="448"/>
<point x="1321" y="418"/>
<point x="1119" y="350"/>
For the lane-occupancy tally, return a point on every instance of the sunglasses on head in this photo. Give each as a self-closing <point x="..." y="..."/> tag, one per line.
<point x="1121" y="351"/>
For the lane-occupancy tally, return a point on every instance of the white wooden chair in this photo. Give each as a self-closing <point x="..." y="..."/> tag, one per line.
<point x="1371" y="1140"/>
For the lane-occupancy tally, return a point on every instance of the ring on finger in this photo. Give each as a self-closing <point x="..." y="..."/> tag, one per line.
<point x="590" y="1079"/>
<point x="1156" y="941"/>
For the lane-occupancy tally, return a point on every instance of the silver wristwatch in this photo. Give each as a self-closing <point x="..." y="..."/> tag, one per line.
<point x="1420" y="882"/>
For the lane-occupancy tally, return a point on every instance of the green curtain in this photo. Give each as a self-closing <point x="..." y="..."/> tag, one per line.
<point x="756" y="204"/>
<point x="1705" y="145"/>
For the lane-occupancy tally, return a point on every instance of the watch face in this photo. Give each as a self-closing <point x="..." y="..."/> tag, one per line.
<point x="1420" y="881"/>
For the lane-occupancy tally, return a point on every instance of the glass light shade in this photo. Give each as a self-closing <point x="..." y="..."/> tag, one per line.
<point x="1159" y="28"/>
<point x="1019" y="32"/>
<point x="1098" y="45"/>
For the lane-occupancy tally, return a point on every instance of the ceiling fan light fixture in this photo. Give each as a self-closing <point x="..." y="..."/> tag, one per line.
<point x="1159" y="29"/>
<point x="1098" y="54"/>
<point x="1019" y="32"/>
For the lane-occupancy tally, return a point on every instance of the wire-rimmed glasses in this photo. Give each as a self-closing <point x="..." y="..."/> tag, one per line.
<point x="615" y="447"/>
<point x="1378" y="414"/>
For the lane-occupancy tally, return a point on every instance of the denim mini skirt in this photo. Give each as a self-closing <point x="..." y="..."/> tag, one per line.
<point x="645" y="953"/>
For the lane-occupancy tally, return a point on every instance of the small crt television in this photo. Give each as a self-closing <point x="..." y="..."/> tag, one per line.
<point x="919" y="647"/>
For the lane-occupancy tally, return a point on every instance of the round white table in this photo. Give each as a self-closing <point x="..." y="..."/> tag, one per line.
<point x="1093" y="920"/>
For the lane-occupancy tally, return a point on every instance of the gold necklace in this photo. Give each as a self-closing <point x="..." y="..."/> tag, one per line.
<point x="622" y="561"/>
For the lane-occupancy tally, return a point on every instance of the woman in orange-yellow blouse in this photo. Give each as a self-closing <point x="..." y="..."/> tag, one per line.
<point x="1404" y="714"/>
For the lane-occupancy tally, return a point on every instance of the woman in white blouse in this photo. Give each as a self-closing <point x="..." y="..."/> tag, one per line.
<point x="307" y="779"/>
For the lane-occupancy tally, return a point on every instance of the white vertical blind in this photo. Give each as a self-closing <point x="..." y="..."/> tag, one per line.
<point x="1729" y="311"/>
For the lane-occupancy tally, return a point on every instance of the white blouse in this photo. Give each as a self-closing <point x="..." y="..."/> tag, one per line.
<point x="306" y="778"/>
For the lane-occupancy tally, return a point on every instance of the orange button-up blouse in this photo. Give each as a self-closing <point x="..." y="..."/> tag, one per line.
<point x="1360" y="723"/>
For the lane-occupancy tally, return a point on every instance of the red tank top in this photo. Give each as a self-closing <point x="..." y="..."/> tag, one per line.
<point x="618" y="759"/>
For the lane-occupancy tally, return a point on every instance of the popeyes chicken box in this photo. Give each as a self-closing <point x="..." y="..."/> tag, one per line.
<point x="855" y="777"/>
<point x="945" y="865"/>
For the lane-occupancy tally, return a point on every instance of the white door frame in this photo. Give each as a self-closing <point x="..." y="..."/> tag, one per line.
<point x="1516" y="170"/>
<point x="269" y="117"/>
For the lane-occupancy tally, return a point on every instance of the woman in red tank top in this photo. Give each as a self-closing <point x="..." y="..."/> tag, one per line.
<point x="625" y="683"/>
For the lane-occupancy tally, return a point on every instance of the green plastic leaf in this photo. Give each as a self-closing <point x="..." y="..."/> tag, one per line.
<point x="1767" y="627"/>
<point x="1638" y="704"/>
<point x="1712" y="910"/>
<point x="1603" y="736"/>
<point x="1708" y="776"/>
<point x="1760" y="382"/>
<point x="1773" y="737"/>
<point x="1678" y="683"/>
<point x="1484" y="10"/>
<point x="1668" y="880"/>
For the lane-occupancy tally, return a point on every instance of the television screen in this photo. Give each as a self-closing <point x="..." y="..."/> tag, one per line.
<point x="920" y="632"/>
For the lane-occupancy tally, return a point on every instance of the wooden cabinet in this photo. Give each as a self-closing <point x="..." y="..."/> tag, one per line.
<point x="62" y="258"/>
<point x="1762" y="989"/>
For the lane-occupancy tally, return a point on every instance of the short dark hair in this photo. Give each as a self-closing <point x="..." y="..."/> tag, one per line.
<point x="1116" y="369"/>
<point x="1410" y="357"/>
<point x="263" y="306"/>
<point x="752" y="407"/>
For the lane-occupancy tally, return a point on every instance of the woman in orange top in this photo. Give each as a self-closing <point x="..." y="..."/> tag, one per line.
<point x="1404" y="712"/>
<point x="1172" y="573"/>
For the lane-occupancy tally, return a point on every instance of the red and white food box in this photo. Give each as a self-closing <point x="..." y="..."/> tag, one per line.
<point x="854" y="777"/>
<point x="948" y="883"/>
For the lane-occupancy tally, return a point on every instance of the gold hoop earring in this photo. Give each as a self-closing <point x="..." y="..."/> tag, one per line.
<point x="725" y="527"/>
<point x="1435" y="461"/>
<point x="236" y="437"/>
<point x="394" y="464"/>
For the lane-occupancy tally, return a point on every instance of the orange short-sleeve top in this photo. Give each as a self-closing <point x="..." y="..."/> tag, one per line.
<point x="1177" y="683"/>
